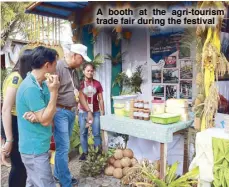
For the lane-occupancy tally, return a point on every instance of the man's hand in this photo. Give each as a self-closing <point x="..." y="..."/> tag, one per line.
<point x="53" y="83"/>
<point x="30" y="116"/>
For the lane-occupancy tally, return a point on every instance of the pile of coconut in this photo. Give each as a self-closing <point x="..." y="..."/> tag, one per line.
<point x="120" y="162"/>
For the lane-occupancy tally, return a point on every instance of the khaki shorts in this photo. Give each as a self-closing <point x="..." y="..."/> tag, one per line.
<point x="39" y="172"/>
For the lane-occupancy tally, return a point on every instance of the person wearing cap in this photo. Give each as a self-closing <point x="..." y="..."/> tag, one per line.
<point x="67" y="101"/>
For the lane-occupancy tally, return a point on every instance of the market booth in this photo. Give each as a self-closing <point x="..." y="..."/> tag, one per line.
<point x="168" y="64"/>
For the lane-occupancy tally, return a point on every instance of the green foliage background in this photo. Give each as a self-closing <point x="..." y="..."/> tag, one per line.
<point x="14" y="20"/>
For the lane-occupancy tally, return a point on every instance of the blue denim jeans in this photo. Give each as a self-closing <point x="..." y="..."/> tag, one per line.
<point x="84" y="130"/>
<point x="63" y="125"/>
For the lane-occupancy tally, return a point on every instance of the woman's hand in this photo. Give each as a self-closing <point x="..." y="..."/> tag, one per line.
<point x="102" y="113"/>
<point x="7" y="147"/>
<point x="30" y="116"/>
<point x="90" y="117"/>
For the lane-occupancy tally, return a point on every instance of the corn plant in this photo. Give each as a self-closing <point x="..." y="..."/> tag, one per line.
<point x="171" y="178"/>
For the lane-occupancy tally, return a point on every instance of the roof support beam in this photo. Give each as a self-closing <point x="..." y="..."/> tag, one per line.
<point x="32" y="6"/>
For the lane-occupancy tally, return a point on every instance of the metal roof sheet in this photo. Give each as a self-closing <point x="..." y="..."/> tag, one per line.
<point x="55" y="9"/>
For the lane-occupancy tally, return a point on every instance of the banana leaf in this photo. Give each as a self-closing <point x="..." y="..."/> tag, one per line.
<point x="75" y="138"/>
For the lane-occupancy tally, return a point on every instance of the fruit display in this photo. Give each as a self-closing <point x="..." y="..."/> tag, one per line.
<point x="120" y="163"/>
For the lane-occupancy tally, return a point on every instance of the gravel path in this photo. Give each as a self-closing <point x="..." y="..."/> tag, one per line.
<point x="74" y="165"/>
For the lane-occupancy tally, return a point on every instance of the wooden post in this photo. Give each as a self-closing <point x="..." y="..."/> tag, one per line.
<point x="186" y="151"/>
<point x="105" y="140"/>
<point x="163" y="160"/>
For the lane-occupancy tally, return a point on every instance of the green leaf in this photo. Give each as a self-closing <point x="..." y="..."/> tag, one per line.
<point x="171" y="173"/>
<point x="184" y="179"/>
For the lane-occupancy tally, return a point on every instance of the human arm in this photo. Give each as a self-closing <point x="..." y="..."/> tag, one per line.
<point x="30" y="116"/>
<point x="45" y="114"/>
<point x="101" y="103"/>
<point x="84" y="104"/>
<point x="9" y="101"/>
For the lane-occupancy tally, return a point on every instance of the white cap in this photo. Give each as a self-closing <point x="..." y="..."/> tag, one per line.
<point x="81" y="50"/>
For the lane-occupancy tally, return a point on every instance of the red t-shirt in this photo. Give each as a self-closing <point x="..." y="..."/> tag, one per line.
<point x="91" y="89"/>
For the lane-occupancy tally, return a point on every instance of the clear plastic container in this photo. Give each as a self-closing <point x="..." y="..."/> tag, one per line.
<point x="226" y="125"/>
<point x="158" y="107"/>
<point x="122" y="104"/>
<point x="146" y="105"/>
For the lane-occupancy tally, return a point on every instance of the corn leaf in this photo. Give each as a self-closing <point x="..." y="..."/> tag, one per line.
<point x="171" y="173"/>
<point x="184" y="180"/>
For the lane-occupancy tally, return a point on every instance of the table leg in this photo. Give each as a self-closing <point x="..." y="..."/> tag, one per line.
<point x="186" y="148"/>
<point x="105" y="140"/>
<point x="163" y="159"/>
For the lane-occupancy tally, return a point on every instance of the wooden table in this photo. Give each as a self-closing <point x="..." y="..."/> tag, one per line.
<point x="124" y="125"/>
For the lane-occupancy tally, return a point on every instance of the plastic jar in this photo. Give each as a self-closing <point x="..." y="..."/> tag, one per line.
<point x="140" y="114"/>
<point x="141" y="104"/>
<point x="226" y="125"/>
<point x="136" y="104"/>
<point x="146" y="115"/>
<point x="158" y="107"/>
<point x="135" y="114"/>
<point x="146" y="105"/>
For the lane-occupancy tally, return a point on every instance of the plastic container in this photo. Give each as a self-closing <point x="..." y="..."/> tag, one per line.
<point x="126" y="113"/>
<point x="140" y="114"/>
<point x="135" y="114"/>
<point x="146" y="115"/>
<point x="158" y="107"/>
<point x="226" y="125"/>
<point x="136" y="104"/>
<point x="146" y="105"/>
<point x="119" y="109"/>
<point x="177" y="103"/>
<point x="141" y="104"/>
<point x="165" y="118"/>
<point x="123" y="98"/>
<point x="122" y="104"/>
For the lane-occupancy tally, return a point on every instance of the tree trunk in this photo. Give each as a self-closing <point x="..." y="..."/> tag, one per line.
<point x="6" y="33"/>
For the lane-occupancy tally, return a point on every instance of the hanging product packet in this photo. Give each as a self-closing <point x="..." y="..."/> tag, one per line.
<point x="89" y="91"/>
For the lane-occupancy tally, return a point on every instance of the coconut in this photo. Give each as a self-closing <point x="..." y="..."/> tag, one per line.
<point x="117" y="173"/>
<point x="109" y="170"/>
<point x="126" y="162"/>
<point x="118" y="154"/>
<point x="111" y="160"/>
<point x="133" y="161"/>
<point x="128" y="153"/>
<point x="125" y="170"/>
<point x="117" y="164"/>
